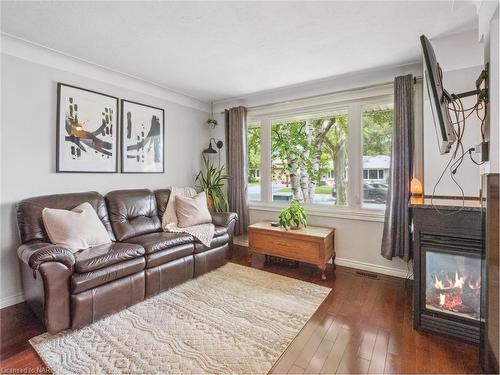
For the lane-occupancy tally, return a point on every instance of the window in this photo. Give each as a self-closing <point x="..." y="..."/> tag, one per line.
<point x="253" y="162"/>
<point x="330" y="151"/>
<point x="373" y="174"/>
<point x="309" y="159"/>
<point x="377" y="135"/>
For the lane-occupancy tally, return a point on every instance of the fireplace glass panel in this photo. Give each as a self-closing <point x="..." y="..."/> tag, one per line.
<point x="453" y="284"/>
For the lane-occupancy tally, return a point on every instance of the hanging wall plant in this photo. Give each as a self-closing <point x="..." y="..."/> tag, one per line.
<point x="212" y="122"/>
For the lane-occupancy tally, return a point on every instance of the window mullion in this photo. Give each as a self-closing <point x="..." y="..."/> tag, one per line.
<point x="354" y="155"/>
<point x="265" y="162"/>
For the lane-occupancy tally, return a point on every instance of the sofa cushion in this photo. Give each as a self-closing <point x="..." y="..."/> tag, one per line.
<point x="29" y="212"/>
<point x="216" y="242"/>
<point x="154" y="242"/>
<point x="106" y="255"/>
<point x="132" y="213"/>
<point x="88" y="280"/>
<point x="168" y="255"/>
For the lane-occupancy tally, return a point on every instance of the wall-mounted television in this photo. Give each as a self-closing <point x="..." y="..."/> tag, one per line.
<point x="438" y="97"/>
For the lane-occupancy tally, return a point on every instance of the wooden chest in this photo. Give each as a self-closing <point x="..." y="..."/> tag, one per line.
<point x="314" y="245"/>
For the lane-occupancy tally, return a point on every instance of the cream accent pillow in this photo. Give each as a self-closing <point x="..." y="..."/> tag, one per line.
<point x="192" y="211"/>
<point x="77" y="229"/>
<point x="169" y="216"/>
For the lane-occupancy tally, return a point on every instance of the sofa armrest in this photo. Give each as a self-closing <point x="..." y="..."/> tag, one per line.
<point x="46" y="272"/>
<point x="37" y="252"/>
<point x="224" y="219"/>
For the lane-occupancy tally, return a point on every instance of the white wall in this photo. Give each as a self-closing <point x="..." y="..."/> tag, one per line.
<point x="461" y="59"/>
<point x="28" y="141"/>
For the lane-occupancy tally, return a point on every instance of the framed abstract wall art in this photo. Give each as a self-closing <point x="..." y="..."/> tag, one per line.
<point x="87" y="139"/>
<point x="142" y="133"/>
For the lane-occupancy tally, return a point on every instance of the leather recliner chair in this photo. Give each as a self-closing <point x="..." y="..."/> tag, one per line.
<point x="71" y="290"/>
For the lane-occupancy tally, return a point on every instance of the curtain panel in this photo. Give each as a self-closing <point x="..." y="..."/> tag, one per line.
<point x="396" y="241"/>
<point x="236" y="141"/>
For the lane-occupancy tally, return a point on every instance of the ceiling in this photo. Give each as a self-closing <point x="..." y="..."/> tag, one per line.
<point x="218" y="50"/>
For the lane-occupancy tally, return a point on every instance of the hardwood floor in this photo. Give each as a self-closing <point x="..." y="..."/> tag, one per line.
<point x="363" y="326"/>
<point x="18" y="324"/>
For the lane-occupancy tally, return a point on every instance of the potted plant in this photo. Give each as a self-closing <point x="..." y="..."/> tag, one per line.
<point x="293" y="217"/>
<point x="212" y="123"/>
<point x="212" y="182"/>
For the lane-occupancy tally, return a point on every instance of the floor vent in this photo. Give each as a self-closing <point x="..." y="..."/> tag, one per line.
<point x="367" y="274"/>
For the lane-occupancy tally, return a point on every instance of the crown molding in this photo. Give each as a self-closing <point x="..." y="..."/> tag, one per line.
<point x="324" y="86"/>
<point x="39" y="54"/>
<point x="486" y="10"/>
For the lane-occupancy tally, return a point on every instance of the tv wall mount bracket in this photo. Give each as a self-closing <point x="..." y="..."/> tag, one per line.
<point x="482" y="86"/>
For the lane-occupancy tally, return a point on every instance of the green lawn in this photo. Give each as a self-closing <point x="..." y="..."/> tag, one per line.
<point x="319" y="190"/>
<point x="254" y="184"/>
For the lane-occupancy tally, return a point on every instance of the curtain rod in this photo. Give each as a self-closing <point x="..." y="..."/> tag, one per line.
<point x="415" y="80"/>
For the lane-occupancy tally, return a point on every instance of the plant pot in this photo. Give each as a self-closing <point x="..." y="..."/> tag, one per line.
<point x="210" y="202"/>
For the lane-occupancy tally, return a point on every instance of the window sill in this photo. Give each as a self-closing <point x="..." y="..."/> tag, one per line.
<point x="363" y="214"/>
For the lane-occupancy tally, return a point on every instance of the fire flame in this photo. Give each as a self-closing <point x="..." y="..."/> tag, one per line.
<point x="454" y="292"/>
<point x="438" y="284"/>
<point x="476" y="284"/>
<point x="459" y="282"/>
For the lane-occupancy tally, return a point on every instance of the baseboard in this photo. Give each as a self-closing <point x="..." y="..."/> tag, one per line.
<point x="11" y="300"/>
<point x="397" y="272"/>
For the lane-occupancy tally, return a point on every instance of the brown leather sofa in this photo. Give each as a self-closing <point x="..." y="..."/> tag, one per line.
<point x="70" y="290"/>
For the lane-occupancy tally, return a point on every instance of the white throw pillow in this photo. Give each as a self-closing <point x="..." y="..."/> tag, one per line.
<point x="77" y="229"/>
<point x="192" y="211"/>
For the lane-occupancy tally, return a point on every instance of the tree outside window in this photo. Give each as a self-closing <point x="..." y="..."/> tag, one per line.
<point x="309" y="160"/>
<point x="307" y="157"/>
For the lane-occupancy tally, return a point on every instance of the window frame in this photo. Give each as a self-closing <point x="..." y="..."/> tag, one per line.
<point x="352" y="102"/>
<point x="255" y="125"/>
<point x="365" y="205"/>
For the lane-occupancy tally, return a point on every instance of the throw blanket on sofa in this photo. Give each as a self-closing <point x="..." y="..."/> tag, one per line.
<point x="203" y="232"/>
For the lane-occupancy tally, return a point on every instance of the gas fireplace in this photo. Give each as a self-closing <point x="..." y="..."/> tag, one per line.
<point x="447" y="271"/>
<point x="453" y="284"/>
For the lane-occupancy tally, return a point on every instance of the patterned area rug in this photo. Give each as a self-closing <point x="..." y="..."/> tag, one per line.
<point x="235" y="319"/>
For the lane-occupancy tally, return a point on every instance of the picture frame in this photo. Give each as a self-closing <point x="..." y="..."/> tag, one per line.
<point x="86" y="131"/>
<point x="142" y="138"/>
